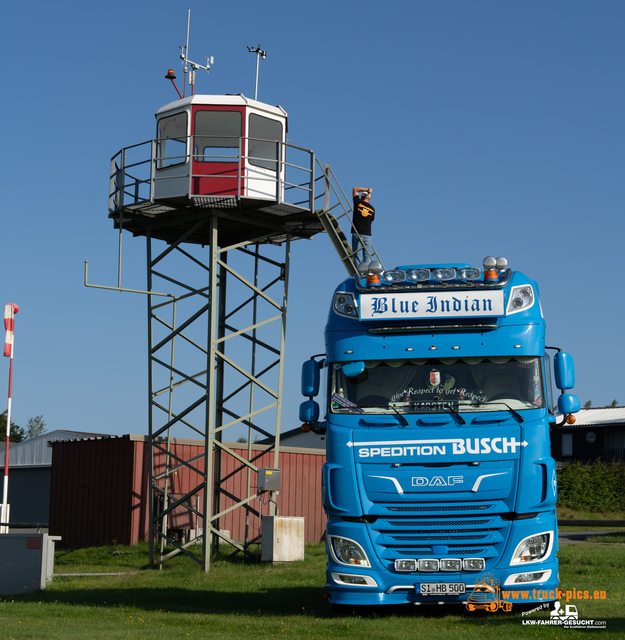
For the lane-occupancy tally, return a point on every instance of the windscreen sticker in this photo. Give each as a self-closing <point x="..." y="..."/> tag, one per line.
<point x="454" y="446"/>
<point x="434" y="395"/>
<point x="345" y="403"/>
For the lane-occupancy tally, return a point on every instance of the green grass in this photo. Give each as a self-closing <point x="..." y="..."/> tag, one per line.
<point x="239" y="599"/>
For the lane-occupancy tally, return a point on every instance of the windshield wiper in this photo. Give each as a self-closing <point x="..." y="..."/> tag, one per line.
<point x="450" y="408"/>
<point x="516" y="414"/>
<point x="402" y="420"/>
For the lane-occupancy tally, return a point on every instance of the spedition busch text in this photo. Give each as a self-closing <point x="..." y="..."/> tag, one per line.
<point x="442" y="447"/>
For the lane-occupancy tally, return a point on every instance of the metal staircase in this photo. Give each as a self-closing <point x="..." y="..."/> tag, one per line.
<point x="337" y="211"/>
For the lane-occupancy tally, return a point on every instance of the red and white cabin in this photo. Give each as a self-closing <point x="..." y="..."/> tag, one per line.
<point x="216" y="146"/>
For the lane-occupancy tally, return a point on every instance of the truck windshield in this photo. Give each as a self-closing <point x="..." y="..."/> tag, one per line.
<point x="427" y="385"/>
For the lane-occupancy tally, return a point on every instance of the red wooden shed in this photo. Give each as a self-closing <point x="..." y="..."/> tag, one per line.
<point x="99" y="489"/>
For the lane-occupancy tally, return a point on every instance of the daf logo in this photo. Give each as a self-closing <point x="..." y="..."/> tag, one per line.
<point x="437" y="481"/>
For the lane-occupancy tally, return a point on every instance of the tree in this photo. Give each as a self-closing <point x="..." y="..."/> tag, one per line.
<point x="35" y="427"/>
<point x="614" y="403"/>
<point x="588" y="404"/>
<point x="242" y="440"/>
<point x="16" y="434"/>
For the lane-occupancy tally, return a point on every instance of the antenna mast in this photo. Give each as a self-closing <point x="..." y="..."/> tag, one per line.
<point x="184" y="56"/>
<point x="259" y="54"/>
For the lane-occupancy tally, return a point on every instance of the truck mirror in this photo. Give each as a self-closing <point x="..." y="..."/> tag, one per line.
<point x="568" y="403"/>
<point x="353" y="369"/>
<point x="310" y="378"/>
<point x="309" y="411"/>
<point x="564" y="370"/>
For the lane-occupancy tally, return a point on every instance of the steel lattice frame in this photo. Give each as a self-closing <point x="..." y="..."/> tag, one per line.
<point x="228" y="363"/>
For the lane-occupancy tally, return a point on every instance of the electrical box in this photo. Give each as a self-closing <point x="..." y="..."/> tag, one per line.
<point x="269" y="479"/>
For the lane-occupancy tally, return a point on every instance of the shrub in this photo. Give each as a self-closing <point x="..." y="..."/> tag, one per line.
<point x="597" y="486"/>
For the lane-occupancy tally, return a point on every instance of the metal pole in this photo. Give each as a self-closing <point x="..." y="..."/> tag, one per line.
<point x="210" y="400"/>
<point x="250" y="431"/>
<point x="281" y="365"/>
<point x="219" y="394"/>
<point x="9" y="346"/>
<point x="151" y="492"/>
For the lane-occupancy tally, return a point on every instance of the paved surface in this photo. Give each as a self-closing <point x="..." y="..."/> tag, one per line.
<point x="579" y="536"/>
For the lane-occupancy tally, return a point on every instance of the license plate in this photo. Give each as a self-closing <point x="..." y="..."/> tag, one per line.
<point x="440" y="588"/>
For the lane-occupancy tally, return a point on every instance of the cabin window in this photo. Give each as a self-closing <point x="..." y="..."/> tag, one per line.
<point x="263" y="151"/>
<point x="172" y="140"/>
<point x="217" y="136"/>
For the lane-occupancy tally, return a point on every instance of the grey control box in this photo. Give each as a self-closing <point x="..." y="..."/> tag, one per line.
<point x="269" y="479"/>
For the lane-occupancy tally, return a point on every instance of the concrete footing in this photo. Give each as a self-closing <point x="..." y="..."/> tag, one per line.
<point x="283" y="539"/>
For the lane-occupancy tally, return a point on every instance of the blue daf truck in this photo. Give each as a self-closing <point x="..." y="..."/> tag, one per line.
<point x="435" y="397"/>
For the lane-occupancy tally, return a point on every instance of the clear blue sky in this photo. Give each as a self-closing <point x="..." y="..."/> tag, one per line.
<point x="484" y="128"/>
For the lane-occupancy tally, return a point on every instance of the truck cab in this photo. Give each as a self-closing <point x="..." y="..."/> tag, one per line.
<point x="437" y="412"/>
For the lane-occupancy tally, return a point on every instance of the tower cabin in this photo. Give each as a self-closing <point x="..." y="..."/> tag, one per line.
<point x="221" y="154"/>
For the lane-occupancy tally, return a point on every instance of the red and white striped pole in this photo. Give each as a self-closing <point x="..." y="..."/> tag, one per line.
<point x="9" y="324"/>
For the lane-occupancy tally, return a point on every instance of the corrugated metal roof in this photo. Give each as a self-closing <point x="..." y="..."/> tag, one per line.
<point x="36" y="452"/>
<point x="598" y="417"/>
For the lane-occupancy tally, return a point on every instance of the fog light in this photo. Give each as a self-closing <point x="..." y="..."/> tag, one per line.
<point x="405" y="565"/>
<point x="352" y="579"/>
<point x="528" y="578"/>
<point x="451" y="565"/>
<point x="428" y="565"/>
<point x="473" y="564"/>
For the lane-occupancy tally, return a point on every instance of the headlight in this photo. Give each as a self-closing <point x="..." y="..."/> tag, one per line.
<point x="345" y="305"/>
<point x="533" y="548"/>
<point x="349" y="552"/>
<point x="521" y="298"/>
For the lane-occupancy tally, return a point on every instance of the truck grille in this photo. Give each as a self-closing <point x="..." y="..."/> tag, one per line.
<point x="443" y="508"/>
<point x="437" y="535"/>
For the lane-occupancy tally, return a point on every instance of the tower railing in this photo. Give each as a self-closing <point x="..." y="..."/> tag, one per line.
<point x="139" y="172"/>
